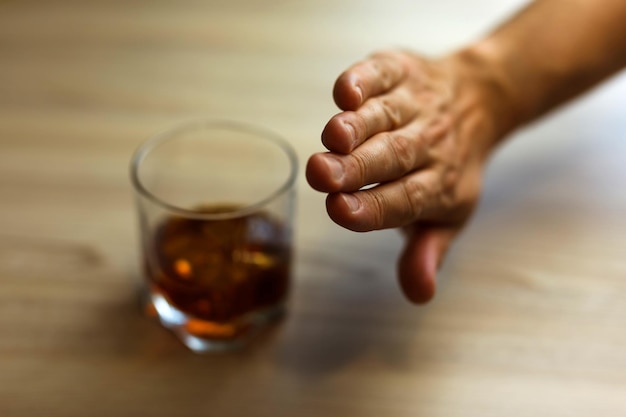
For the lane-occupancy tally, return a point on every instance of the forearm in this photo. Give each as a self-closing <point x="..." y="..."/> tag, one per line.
<point x="549" y="53"/>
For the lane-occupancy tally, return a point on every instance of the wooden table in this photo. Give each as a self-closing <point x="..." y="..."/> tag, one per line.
<point x="531" y="316"/>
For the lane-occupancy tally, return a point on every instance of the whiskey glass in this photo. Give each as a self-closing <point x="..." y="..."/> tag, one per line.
<point x="215" y="203"/>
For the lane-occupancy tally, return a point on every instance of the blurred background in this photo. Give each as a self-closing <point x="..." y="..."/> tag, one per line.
<point x="529" y="318"/>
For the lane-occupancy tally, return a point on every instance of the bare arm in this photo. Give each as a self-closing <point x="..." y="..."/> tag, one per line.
<point x="552" y="51"/>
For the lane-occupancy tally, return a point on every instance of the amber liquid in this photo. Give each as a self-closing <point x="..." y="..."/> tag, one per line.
<point x="220" y="271"/>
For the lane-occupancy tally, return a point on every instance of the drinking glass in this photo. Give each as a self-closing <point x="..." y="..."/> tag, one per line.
<point x="215" y="202"/>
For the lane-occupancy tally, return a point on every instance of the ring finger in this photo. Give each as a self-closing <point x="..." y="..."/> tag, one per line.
<point x="417" y="196"/>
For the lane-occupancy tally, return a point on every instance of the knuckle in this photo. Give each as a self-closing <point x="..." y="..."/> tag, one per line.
<point x="390" y="112"/>
<point x="403" y="150"/>
<point x="448" y="201"/>
<point x="359" y="121"/>
<point x="449" y="194"/>
<point x="359" y="163"/>
<point x="386" y="77"/>
<point x="451" y="179"/>
<point x="377" y="210"/>
<point x="381" y="72"/>
<point x="414" y="195"/>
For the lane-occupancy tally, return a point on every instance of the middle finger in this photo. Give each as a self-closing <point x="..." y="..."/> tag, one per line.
<point x="385" y="157"/>
<point x="345" y="131"/>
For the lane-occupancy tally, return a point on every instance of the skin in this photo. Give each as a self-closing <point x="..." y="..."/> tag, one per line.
<point x="422" y="129"/>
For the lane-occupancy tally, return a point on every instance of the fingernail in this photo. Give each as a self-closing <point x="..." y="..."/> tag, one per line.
<point x="360" y="93"/>
<point x="335" y="168"/>
<point x="351" y="132"/>
<point x="353" y="203"/>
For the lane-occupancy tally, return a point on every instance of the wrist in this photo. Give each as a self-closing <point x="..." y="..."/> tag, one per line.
<point x="485" y="92"/>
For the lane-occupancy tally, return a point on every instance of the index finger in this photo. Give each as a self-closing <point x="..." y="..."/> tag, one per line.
<point x="376" y="75"/>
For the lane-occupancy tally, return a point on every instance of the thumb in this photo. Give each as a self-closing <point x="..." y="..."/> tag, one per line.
<point x="423" y="253"/>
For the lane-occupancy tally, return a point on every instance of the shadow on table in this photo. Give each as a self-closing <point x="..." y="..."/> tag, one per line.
<point x="347" y="308"/>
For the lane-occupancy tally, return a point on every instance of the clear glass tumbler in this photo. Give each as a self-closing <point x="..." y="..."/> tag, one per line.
<point x="215" y="202"/>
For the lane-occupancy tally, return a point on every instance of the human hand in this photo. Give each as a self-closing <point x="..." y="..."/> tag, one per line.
<point x="420" y="129"/>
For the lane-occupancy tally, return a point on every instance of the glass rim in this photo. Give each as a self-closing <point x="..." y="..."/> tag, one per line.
<point x="170" y="134"/>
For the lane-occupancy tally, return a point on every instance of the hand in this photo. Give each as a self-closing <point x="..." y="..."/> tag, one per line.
<point x="419" y="130"/>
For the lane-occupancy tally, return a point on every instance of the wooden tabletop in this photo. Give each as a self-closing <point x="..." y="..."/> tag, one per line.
<point x="530" y="319"/>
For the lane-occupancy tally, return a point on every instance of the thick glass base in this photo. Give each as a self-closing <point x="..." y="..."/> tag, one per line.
<point x="208" y="336"/>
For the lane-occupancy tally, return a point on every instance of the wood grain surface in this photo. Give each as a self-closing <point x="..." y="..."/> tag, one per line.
<point x="531" y="314"/>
